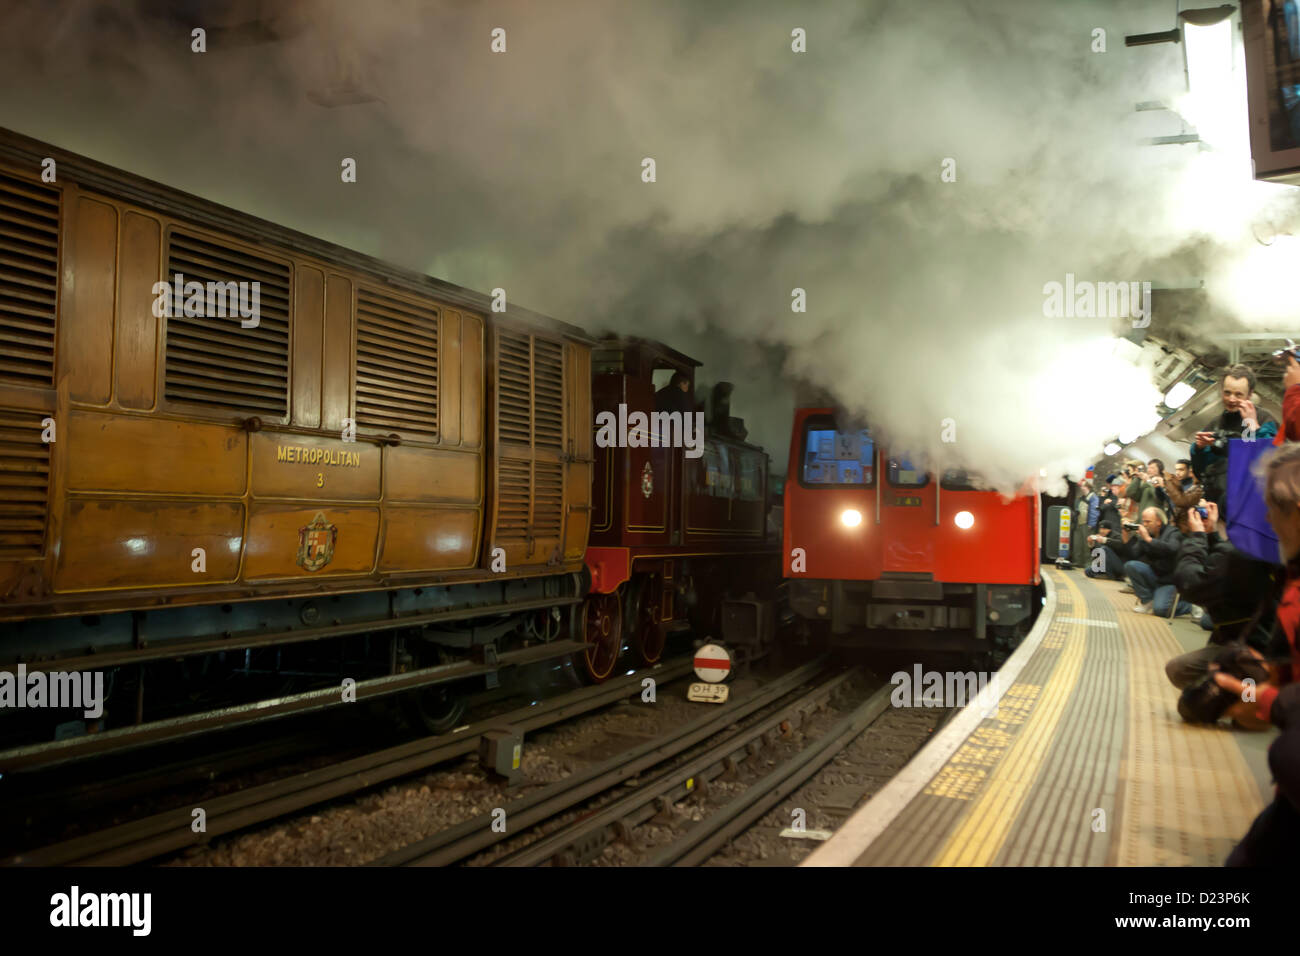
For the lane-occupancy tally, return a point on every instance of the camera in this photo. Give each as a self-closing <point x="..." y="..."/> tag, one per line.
<point x="1203" y="512"/>
<point x="1205" y="702"/>
<point x="1132" y="525"/>
<point x="1280" y="356"/>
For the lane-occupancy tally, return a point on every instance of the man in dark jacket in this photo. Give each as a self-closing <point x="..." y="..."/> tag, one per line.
<point x="1240" y="419"/>
<point x="1239" y="593"/>
<point x="676" y="395"/>
<point x="1107" y="551"/>
<point x="1274" y="837"/>
<point x="1154" y="552"/>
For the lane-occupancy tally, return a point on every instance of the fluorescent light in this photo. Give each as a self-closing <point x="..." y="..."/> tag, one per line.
<point x="1177" y="396"/>
<point x="1128" y="437"/>
<point x="1111" y="448"/>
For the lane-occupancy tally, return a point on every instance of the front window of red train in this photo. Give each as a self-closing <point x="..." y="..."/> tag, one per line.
<point x="834" y="458"/>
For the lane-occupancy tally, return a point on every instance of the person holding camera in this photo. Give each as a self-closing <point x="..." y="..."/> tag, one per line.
<point x="1274" y="837"/>
<point x="1240" y="419"/>
<point x="1147" y="488"/>
<point x="1109" y="561"/>
<point x="1153" y="545"/>
<point x="1239" y="594"/>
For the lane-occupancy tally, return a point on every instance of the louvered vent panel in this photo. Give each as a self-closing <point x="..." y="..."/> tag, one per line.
<point x="514" y="388"/>
<point x="212" y="360"/>
<point x="548" y="393"/>
<point x="512" y="506"/>
<point x="29" y="269"/>
<point x="397" y="364"/>
<point x="24" y="484"/>
<point x="548" y="498"/>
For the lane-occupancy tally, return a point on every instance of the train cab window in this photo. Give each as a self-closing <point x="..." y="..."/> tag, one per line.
<point x="749" y="475"/>
<point x="718" y="482"/>
<point x="903" y="474"/>
<point x="832" y="457"/>
<point x="959" y="479"/>
<point x="672" y="389"/>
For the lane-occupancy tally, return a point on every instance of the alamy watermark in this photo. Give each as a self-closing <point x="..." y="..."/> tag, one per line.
<point x="653" y="430"/>
<point x="82" y="690"/>
<point x="1083" y="299"/>
<point x="945" y="689"/>
<point x="130" y="910"/>
<point x="212" y="300"/>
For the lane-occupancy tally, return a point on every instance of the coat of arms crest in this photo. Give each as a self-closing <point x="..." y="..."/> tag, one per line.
<point x="647" y="480"/>
<point x="316" y="543"/>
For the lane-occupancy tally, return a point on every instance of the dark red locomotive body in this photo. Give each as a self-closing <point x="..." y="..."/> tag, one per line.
<point x="674" y="529"/>
<point x="882" y="553"/>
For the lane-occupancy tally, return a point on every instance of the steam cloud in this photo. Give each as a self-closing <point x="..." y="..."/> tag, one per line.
<point x="776" y="170"/>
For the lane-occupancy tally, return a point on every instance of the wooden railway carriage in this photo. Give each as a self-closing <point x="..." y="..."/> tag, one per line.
<point x="379" y="453"/>
<point x="671" y="534"/>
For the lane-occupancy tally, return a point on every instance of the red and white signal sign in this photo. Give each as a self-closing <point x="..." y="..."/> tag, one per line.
<point x="712" y="663"/>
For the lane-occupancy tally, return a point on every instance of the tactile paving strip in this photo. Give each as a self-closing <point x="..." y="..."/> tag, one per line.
<point x="1188" y="794"/>
<point x="1086" y="762"/>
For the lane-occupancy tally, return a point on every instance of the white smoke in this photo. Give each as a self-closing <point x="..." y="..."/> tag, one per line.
<point x="776" y="170"/>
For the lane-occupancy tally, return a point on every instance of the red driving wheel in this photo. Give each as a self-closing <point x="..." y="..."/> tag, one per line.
<point x="603" y="621"/>
<point x="649" y="633"/>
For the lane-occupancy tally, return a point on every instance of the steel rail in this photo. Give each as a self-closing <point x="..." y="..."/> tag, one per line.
<point x="171" y="830"/>
<point x="673" y="785"/>
<point x="477" y="834"/>
<point x="717" y="829"/>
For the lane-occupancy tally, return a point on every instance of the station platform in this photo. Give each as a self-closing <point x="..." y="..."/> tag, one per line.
<point x="1086" y="722"/>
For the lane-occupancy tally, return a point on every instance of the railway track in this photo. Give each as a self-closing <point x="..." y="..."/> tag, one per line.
<point x="777" y="708"/>
<point x="574" y="820"/>
<point x="171" y="830"/>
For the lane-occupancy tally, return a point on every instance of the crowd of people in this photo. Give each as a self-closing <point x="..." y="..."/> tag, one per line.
<point x="1164" y="534"/>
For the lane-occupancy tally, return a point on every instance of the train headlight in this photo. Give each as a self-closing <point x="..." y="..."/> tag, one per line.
<point x="851" y="517"/>
<point x="964" y="520"/>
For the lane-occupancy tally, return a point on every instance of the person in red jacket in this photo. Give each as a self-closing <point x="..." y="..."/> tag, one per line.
<point x="1290" y="430"/>
<point x="1274" y="837"/>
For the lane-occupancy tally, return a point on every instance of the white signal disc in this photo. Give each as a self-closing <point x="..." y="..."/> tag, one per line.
<point x="712" y="663"/>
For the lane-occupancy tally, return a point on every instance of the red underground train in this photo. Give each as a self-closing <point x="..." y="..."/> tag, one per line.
<point x="879" y="553"/>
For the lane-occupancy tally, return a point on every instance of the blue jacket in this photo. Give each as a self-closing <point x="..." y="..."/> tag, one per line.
<point x="1094" y="509"/>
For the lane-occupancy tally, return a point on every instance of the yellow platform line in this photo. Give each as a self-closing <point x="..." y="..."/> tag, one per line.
<point x="979" y="837"/>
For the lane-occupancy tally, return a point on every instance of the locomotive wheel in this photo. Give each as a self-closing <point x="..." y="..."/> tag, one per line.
<point x="437" y="709"/>
<point x="648" y="632"/>
<point x="602" y="616"/>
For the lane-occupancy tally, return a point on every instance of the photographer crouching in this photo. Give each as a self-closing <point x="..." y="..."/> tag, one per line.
<point x="1239" y="593"/>
<point x="1106" y="549"/>
<point x="1153" y="545"/>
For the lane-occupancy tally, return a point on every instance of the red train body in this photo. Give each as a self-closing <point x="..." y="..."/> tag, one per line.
<point x="884" y="554"/>
<point x="672" y="533"/>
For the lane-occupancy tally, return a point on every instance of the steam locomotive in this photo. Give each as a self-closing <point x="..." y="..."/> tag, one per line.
<point x="377" y="479"/>
<point x="880" y="553"/>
